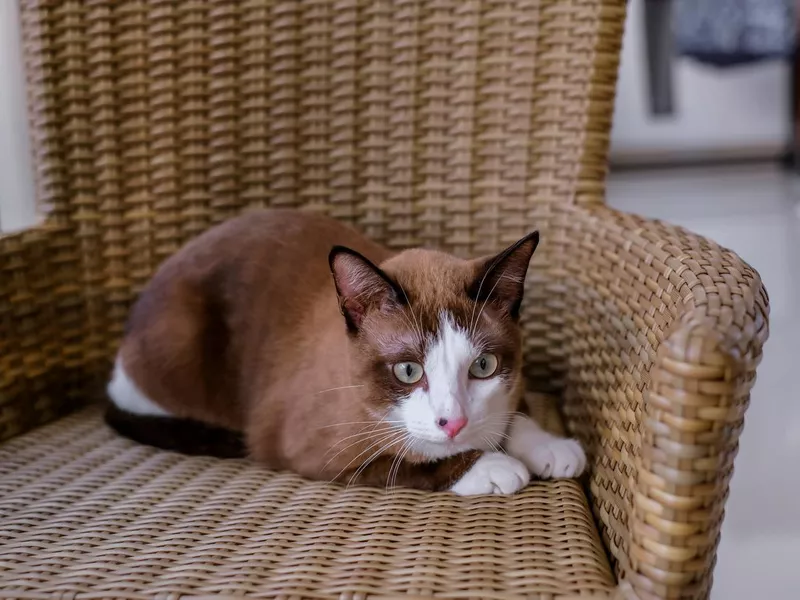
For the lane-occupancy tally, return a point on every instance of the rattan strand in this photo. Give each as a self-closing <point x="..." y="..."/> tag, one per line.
<point x="453" y="123"/>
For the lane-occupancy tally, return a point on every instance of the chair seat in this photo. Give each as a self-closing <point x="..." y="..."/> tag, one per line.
<point x="86" y="513"/>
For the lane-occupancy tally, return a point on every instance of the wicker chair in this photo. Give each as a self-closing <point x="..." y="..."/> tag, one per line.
<point x="453" y="123"/>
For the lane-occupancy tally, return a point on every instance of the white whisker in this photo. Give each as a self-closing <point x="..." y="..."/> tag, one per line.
<point x="391" y="480"/>
<point x="381" y="444"/>
<point x="391" y="468"/>
<point x="390" y="436"/>
<point x="402" y="458"/>
<point x="378" y="452"/>
<point x="472" y="322"/>
<point x="408" y="322"/>
<point x="367" y="423"/>
<point x="343" y="387"/>
<point x="498" y="419"/>
<point x="485" y="302"/>
<point x="364" y="436"/>
<point x="411" y="309"/>
<point x="494" y="446"/>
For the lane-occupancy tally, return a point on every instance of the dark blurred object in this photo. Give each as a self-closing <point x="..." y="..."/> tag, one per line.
<point x="719" y="33"/>
<point x="659" y="47"/>
<point x="729" y="33"/>
<point x="795" y="105"/>
<point x="725" y="33"/>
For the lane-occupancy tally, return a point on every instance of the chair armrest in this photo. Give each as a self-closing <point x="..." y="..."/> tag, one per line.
<point x="43" y="351"/>
<point x="664" y="335"/>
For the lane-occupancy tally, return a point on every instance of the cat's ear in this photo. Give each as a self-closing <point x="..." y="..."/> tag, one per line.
<point x="500" y="279"/>
<point x="361" y="285"/>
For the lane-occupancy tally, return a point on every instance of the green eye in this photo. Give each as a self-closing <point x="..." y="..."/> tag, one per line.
<point x="484" y="366"/>
<point x="408" y="372"/>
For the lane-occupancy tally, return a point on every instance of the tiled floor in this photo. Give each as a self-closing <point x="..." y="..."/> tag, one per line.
<point x="756" y="212"/>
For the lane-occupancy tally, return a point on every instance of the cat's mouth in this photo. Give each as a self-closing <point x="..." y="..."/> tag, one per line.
<point x="468" y="439"/>
<point x="464" y="437"/>
<point x="436" y="448"/>
<point x="441" y="441"/>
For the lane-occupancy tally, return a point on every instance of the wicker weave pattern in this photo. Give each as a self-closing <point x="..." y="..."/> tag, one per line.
<point x="423" y="122"/>
<point x="460" y="124"/>
<point x="42" y="329"/>
<point x="84" y="511"/>
<point x="664" y="335"/>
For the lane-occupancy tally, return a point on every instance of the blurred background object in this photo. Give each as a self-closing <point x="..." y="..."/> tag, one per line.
<point x="17" y="206"/>
<point x="705" y="80"/>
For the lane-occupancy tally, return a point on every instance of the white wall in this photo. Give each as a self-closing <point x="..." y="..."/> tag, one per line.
<point x="17" y="207"/>
<point x="715" y="110"/>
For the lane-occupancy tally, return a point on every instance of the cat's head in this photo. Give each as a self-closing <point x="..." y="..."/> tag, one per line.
<point x="438" y="342"/>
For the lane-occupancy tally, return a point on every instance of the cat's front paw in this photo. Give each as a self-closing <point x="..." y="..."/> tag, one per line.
<point x="493" y="473"/>
<point x="554" y="458"/>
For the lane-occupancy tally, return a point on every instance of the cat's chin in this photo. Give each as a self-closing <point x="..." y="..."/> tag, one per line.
<point x="437" y="450"/>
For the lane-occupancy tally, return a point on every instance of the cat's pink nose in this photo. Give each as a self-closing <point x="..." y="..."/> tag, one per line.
<point x="452" y="426"/>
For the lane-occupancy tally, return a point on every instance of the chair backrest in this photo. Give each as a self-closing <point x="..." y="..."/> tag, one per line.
<point x="449" y="123"/>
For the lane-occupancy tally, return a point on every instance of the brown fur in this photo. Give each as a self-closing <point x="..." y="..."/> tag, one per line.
<point x="242" y="330"/>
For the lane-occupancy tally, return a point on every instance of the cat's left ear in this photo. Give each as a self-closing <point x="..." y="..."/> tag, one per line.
<point x="361" y="285"/>
<point x="500" y="279"/>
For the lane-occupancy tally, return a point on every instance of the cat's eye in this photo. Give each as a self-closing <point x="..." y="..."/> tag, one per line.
<point x="484" y="366"/>
<point x="408" y="372"/>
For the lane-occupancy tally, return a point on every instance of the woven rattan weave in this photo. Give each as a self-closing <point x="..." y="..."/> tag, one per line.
<point x="459" y="124"/>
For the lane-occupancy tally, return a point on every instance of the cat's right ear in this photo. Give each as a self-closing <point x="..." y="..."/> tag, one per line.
<point x="361" y="285"/>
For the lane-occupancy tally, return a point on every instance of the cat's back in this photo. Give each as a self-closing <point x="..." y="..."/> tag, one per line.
<point x="272" y="235"/>
<point x="274" y="251"/>
<point x="263" y="269"/>
<point x="254" y="286"/>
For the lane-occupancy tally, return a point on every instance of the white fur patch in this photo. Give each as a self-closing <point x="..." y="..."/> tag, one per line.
<point x="447" y="366"/>
<point x="546" y="455"/>
<point x="493" y="473"/>
<point x="124" y="393"/>
<point x="452" y="394"/>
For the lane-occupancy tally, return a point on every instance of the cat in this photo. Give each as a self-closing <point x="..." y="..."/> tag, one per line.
<point x="291" y="338"/>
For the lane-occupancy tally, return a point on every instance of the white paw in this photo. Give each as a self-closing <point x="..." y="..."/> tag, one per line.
<point x="493" y="473"/>
<point x="546" y="455"/>
<point x="555" y="458"/>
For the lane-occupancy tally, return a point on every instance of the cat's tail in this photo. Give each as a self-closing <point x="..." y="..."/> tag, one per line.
<point x="179" y="435"/>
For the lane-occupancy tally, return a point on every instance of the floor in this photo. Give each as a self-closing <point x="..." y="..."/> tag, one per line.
<point x="755" y="211"/>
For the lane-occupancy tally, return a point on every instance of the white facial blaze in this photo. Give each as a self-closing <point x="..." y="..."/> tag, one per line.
<point x="451" y="394"/>
<point x="447" y="366"/>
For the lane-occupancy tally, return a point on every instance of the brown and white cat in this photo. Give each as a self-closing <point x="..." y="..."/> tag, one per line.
<point x="401" y="369"/>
